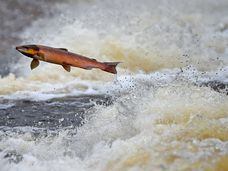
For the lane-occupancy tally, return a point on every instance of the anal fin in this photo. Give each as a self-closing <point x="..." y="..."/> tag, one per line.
<point x="67" y="67"/>
<point x="35" y="63"/>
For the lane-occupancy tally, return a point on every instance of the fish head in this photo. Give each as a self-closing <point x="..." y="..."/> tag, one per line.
<point x="31" y="51"/>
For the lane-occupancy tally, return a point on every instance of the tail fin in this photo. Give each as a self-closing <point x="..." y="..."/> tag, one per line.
<point x="111" y="67"/>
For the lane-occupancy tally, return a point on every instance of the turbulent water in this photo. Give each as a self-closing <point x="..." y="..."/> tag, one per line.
<point x="166" y="109"/>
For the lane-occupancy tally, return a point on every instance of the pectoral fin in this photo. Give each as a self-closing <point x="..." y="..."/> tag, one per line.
<point x="66" y="67"/>
<point x="35" y="63"/>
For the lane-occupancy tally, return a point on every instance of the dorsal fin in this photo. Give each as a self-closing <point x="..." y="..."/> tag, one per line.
<point x="64" y="49"/>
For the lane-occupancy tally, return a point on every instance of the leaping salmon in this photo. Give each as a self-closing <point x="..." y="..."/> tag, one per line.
<point x="62" y="56"/>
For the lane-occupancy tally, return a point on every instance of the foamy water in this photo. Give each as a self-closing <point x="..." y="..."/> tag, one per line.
<point x="163" y="116"/>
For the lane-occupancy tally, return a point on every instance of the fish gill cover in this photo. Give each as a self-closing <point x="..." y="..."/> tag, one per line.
<point x="165" y="110"/>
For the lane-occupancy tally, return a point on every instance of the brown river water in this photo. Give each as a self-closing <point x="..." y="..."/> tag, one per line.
<point x="166" y="109"/>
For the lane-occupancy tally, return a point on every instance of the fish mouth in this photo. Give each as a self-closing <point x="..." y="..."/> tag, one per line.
<point x="21" y="49"/>
<point x="26" y="50"/>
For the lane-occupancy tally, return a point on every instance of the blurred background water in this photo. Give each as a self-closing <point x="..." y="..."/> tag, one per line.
<point x="166" y="109"/>
<point x="15" y="17"/>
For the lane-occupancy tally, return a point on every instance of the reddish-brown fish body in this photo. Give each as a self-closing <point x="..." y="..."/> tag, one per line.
<point x="62" y="57"/>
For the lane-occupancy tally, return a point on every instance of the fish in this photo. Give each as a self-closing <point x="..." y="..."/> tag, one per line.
<point x="61" y="56"/>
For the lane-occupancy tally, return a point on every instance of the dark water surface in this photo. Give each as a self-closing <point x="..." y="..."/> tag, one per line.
<point x="52" y="114"/>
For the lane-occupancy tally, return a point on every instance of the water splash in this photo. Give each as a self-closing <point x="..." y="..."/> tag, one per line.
<point x="163" y="117"/>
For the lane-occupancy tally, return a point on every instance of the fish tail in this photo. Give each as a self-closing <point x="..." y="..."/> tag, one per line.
<point x="110" y="67"/>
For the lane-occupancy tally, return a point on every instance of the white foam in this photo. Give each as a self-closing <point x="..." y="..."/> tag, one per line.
<point x="160" y="119"/>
